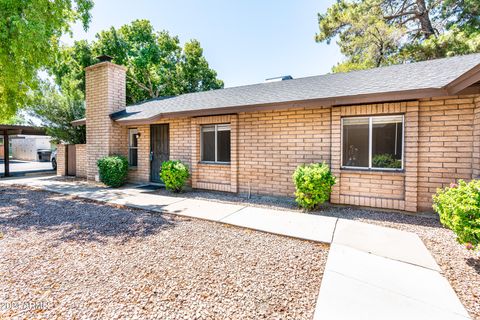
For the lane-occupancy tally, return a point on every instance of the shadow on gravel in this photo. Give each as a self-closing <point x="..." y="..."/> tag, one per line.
<point x="474" y="263"/>
<point x="75" y="220"/>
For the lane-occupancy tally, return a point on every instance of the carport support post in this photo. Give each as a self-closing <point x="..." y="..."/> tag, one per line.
<point x="6" y="151"/>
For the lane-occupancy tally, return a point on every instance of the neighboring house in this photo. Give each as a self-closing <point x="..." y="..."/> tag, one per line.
<point x="26" y="147"/>
<point x="391" y="135"/>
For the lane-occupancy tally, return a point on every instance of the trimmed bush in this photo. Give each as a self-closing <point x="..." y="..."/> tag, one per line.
<point x="174" y="174"/>
<point x="113" y="170"/>
<point x="313" y="184"/>
<point x="385" y="160"/>
<point x="459" y="209"/>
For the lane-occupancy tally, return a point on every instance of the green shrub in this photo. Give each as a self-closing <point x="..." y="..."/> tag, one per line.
<point x="113" y="170"/>
<point x="385" y="160"/>
<point x="174" y="174"/>
<point x="459" y="210"/>
<point x="313" y="184"/>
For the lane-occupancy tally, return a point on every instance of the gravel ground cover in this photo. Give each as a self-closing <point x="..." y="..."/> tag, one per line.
<point x="75" y="259"/>
<point x="460" y="266"/>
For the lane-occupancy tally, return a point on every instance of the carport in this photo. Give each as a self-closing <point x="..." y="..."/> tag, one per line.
<point x="9" y="130"/>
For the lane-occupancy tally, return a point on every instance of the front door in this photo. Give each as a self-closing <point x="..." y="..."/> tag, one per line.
<point x="159" y="150"/>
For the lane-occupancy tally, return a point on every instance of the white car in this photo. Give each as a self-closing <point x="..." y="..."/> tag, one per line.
<point x="53" y="159"/>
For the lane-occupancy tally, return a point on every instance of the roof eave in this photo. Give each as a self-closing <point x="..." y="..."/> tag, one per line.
<point x="79" y="122"/>
<point x="324" y="102"/>
<point x="467" y="79"/>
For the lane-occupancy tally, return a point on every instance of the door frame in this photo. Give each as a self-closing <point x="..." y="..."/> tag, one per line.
<point x="152" y="142"/>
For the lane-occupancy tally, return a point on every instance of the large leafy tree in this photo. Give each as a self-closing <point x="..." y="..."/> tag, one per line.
<point x="61" y="99"/>
<point x="70" y="63"/>
<point x="57" y="108"/>
<point x="29" y="34"/>
<point x="373" y="33"/>
<point x="156" y="63"/>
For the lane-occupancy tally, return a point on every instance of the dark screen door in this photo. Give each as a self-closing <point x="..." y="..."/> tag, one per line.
<point x="159" y="149"/>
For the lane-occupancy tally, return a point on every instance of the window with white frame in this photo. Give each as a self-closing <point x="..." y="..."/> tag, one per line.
<point x="373" y="142"/>
<point x="215" y="143"/>
<point x="133" y="147"/>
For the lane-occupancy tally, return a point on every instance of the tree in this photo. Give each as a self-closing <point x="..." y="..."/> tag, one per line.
<point x="29" y="34"/>
<point x="156" y="66"/>
<point x="192" y="71"/>
<point x="373" y="33"/>
<point x="61" y="99"/>
<point x="18" y="119"/>
<point x="156" y="63"/>
<point x="70" y="63"/>
<point x="57" y="108"/>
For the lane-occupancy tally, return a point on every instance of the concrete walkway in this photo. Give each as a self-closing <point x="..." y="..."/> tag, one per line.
<point x="372" y="272"/>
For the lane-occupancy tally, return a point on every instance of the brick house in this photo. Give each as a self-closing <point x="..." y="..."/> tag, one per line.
<point x="391" y="135"/>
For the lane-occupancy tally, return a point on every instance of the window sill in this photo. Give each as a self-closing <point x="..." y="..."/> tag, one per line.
<point x="132" y="168"/>
<point x="373" y="171"/>
<point x="214" y="163"/>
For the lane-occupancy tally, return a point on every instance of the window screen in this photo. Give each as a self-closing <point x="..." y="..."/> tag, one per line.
<point x="355" y="142"/>
<point x="208" y="143"/>
<point x="373" y="142"/>
<point x="133" y="147"/>
<point x="387" y="144"/>
<point x="215" y="143"/>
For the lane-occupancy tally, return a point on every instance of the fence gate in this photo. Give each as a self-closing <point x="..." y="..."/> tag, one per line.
<point x="71" y="160"/>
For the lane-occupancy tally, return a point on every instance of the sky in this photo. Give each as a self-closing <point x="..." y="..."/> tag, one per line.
<point x="245" y="41"/>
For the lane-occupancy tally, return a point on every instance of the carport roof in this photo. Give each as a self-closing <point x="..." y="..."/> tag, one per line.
<point x="27" y="130"/>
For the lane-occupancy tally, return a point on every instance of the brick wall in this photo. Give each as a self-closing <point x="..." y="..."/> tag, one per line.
<point x="264" y="145"/>
<point x="476" y="139"/>
<point x="377" y="189"/>
<point x="80" y="157"/>
<point x="446" y="144"/>
<point x="81" y="160"/>
<point x="214" y="176"/>
<point x="180" y="146"/>
<point x="61" y="160"/>
<point x="383" y="185"/>
<point x="271" y="145"/>
<point x="105" y="93"/>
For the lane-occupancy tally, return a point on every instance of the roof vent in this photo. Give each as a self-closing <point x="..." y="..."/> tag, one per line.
<point x="104" y="58"/>
<point x="282" y="78"/>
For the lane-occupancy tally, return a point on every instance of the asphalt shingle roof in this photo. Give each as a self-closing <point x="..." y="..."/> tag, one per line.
<point x="433" y="74"/>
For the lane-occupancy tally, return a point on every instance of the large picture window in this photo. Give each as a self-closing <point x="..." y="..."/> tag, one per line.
<point x="133" y="147"/>
<point x="215" y="143"/>
<point x="373" y="142"/>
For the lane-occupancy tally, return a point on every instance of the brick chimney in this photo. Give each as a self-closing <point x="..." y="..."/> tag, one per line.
<point x="105" y="93"/>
